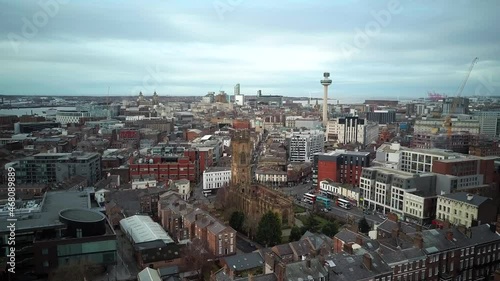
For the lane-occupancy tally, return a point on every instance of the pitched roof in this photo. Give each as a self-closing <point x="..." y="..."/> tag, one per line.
<point x="471" y="199"/>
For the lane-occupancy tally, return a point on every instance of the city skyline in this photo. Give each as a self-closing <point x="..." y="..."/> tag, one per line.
<point x="390" y="49"/>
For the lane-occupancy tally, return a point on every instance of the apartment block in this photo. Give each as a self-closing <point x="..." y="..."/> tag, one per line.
<point x="385" y="190"/>
<point x="304" y="144"/>
<point x="340" y="166"/>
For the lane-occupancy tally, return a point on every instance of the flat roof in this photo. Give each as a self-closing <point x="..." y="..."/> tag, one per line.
<point x="52" y="204"/>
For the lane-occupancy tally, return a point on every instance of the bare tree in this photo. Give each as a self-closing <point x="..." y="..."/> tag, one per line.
<point x="196" y="256"/>
<point x="76" y="271"/>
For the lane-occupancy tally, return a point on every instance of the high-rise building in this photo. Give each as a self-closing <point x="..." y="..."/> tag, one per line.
<point x="455" y="105"/>
<point x="382" y="116"/>
<point x="489" y="123"/>
<point x="352" y="129"/>
<point x="304" y="144"/>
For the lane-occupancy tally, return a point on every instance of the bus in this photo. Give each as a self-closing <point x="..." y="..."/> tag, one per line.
<point x="309" y="198"/>
<point x="324" y="201"/>
<point x="342" y="203"/>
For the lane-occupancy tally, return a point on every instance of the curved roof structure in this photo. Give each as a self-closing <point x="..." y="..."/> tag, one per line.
<point x="143" y="229"/>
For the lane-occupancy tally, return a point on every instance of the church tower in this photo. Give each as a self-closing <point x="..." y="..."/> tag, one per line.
<point x="241" y="160"/>
<point x="156" y="99"/>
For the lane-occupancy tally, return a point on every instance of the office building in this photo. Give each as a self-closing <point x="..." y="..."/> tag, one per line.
<point x="215" y="178"/>
<point x="304" y="144"/>
<point x="489" y="124"/>
<point x="382" y="116"/>
<point x="29" y="127"/>
<point x="460" y="123"/>
<point x="58" y="229"/>
<point x="455" y="105"/>
<point x="57" y="167"/>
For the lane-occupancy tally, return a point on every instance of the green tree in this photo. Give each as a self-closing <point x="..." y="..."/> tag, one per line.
<point x="296" y="233"/>
<point x="237" y="220"/>
<point x="330" y="229"/>
<point x="311" y="223"/>
<point x="269" y="230"/>
<point x="363" y="225"/>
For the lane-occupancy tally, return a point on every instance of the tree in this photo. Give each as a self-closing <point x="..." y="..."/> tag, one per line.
<point x="311" y="223"/>
<point x="236" y="221"/>
<point x="76" y="270"/>
<point x="195" y="255"/>
<point x="363" y="225"/>
<point x="330" y="229"/>
<point x="269" y="230"/>
<point x="296" y="233"/>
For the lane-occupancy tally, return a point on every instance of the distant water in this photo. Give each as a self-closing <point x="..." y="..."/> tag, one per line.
<point x="28" y="111"/>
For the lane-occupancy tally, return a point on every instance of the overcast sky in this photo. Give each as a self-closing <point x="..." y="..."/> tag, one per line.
<point x="373" y="49"/>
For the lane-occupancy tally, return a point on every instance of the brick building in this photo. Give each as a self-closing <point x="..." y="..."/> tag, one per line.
<point x="340" y="166"/>
<point x="165" y="168"/>
<point x="184" y="223"/>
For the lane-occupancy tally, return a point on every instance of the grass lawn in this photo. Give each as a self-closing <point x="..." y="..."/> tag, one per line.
<point x="298" y="209"/>
<point x="320" y="220"/>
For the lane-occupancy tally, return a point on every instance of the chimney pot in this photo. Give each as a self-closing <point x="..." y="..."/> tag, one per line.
<point x="470" y="197"/>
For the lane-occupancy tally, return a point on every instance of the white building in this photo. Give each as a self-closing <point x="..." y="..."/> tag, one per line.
<point x="351" y="129"/>
<point x="271" y="177"/>
<point x="385" y="190"/>
<point x="304" y="144"/>
<point x="215" y="178"/>
<point x="388" y="155"/>
<point x="143" y="183"/>
<point x="239" y="100"/>
<point x="421" y="160"/>
<point x="183" y="187"/>
<point x="334" y="190"/>
<point x="100" y="195"/>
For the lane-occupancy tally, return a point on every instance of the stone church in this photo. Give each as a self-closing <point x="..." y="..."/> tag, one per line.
<point x="254" y="199"/>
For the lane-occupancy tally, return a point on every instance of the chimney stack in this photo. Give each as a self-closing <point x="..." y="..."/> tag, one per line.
<point x="367" y="261"/>
<point x="449" y="235"/>
<point x="308" y="263"/>
<point x="348" y="248"/>
<point x="359" y="240"/>
<point x="418" y="241"/>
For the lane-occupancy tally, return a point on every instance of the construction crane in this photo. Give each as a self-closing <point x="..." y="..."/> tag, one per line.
<point x="447" y="123"/>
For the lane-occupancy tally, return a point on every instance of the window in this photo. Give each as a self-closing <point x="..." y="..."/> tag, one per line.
<point x="45" y="251"/>
<point x="45" y="264"/>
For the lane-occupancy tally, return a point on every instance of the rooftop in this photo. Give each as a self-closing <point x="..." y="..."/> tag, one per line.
<point x="52" y="204"/>
<point x="143" y="229"/>
<point x="471" y="199"/>
<point x="243" y="262"/>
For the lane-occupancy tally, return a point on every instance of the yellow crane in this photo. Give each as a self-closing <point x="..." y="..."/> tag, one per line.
<point x="447" y="122"/>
